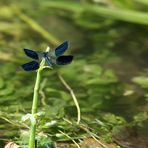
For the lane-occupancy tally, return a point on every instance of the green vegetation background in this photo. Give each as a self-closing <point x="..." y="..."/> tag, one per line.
<point x="108" y="75"/>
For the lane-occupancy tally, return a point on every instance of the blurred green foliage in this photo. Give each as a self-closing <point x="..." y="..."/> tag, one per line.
<point x="109" y="42"/>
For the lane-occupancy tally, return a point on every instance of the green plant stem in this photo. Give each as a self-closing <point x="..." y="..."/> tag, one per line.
<point x="35" y="103"/>
<point x="32" y="136"/>
<point x="36" y="91"/>
<point x="34" y="109"/>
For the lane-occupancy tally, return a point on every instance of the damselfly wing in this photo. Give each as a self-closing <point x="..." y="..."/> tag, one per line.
<point x="33" y="65"/>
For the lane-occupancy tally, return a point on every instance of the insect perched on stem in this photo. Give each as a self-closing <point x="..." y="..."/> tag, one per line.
<point x="52" y="57"/>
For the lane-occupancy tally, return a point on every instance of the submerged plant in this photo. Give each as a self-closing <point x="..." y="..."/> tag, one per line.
<point x="40" y="59"/>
